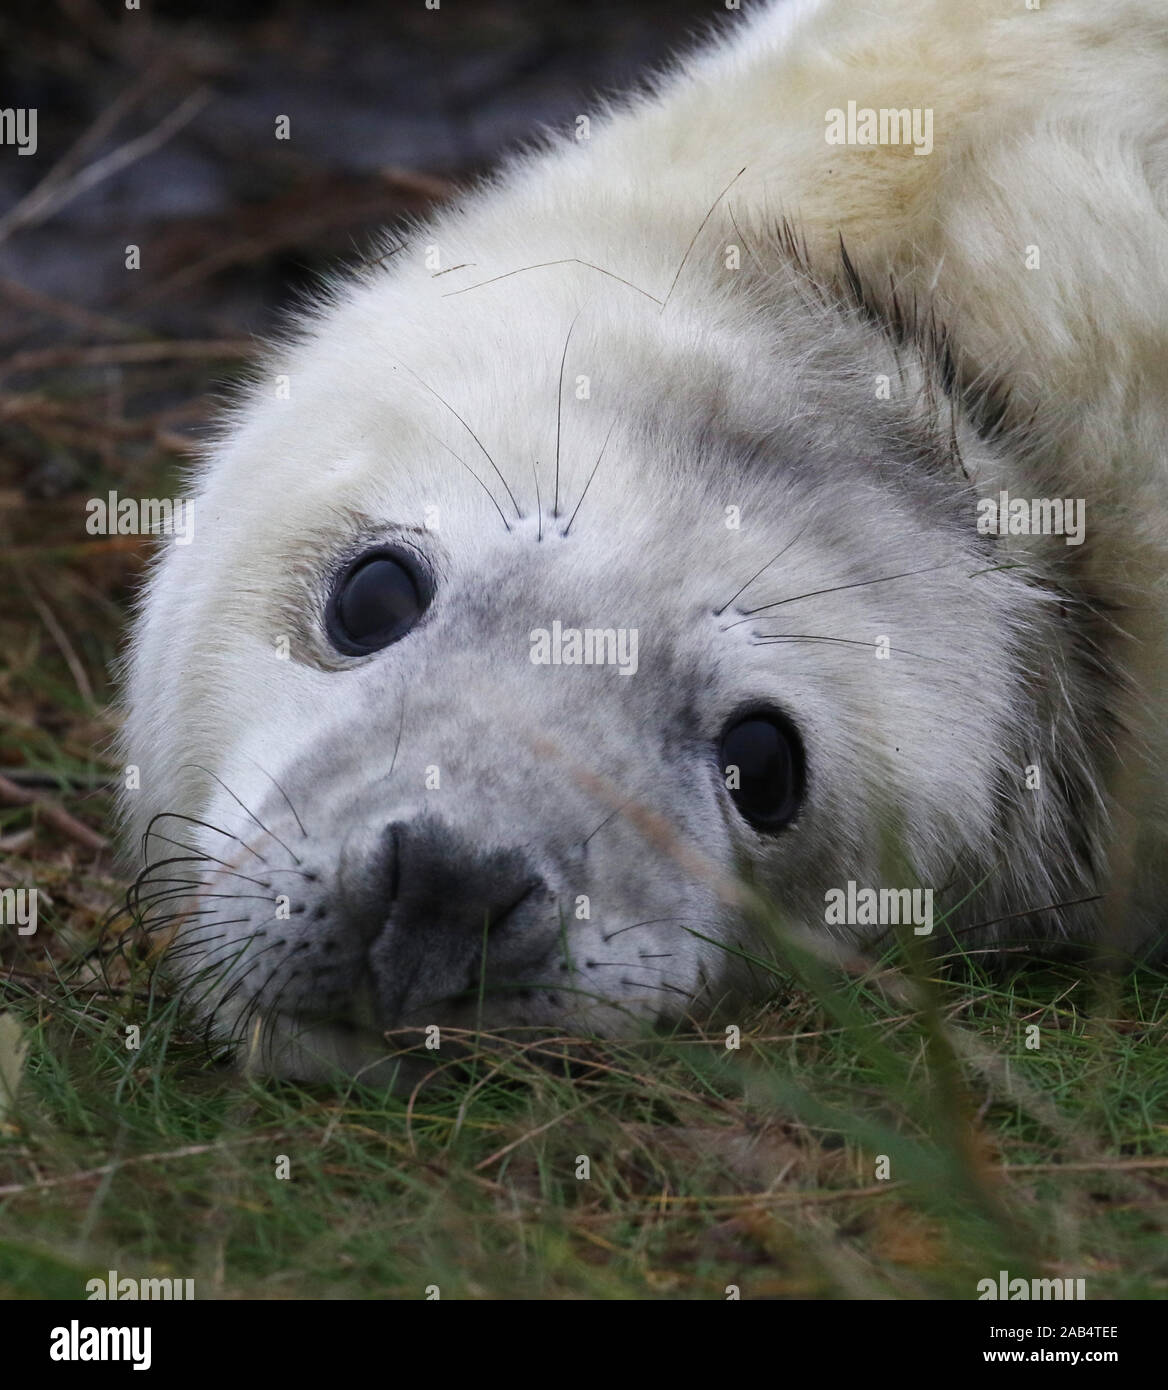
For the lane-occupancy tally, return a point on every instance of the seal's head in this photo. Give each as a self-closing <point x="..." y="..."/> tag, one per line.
<point x="523" y="623"/>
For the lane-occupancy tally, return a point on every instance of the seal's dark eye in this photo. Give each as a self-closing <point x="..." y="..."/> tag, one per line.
<point x="761" y="757"/>
<point x="375" y="601"/>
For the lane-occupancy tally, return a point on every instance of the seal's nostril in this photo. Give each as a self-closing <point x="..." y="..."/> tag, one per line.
<point x="428" y="875"/>
<point x="532" y="886"/>
<point x="435" y="882"/>
<point x="416" y="900"/>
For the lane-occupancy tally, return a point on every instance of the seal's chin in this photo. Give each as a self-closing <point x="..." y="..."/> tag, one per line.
<point x="301" y="1049"/>
<point x="436" y="1042"/>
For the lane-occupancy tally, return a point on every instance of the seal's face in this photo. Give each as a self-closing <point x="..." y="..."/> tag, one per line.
<point x="500" y="747"/>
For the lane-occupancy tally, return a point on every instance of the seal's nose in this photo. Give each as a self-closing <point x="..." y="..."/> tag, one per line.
<point x="434" y="879"/>
<point x="423" y="898"/>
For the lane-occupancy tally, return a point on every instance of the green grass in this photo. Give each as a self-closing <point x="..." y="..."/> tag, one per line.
<point x="709" y="1167"/>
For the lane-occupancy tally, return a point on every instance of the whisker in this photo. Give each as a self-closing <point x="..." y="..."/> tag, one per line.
<point x="774" y="639"/>
<point x="541" y="265"/>
<point x="256" y="1002"/>
<point x="250" y="813"/>
<point x="183" y="885"/>
<point x="378" y="260"/>
<point x="225" y="922"/>
<point x="210" y="858"/>
<point x="151" y="925"/>
<point x="197" y="942"/>
<point x="134" y="892"/>
<point x="1026" y="912"/>
<point x="719" y="611"/>
<point x="284" y="794"/>
<point x="612" y="815"/>
<point x="606" y="937"/>
<point x="463" y="423"/>
<point x="694" y="239"/>
<point x="401" y="723"/>
<point x="591" y="475"/>
<point x="660" y="984"/>
<point x="626" y="964"/>
<point x="182" y="949"/>
<point x="224" y="966"/>
<point x="194" y="820"/>
<point x="474" y="475"/>
<point x="839" y="588"/>
<point x="741" y="238"/>
<point x="192" y="854"/>
<point x="559" y="414"/>
<point x="151" y="929"/>
<point x="237" y="897"/>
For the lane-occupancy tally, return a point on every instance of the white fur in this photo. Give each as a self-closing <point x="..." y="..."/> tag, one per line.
<point x="1050" y="130"/>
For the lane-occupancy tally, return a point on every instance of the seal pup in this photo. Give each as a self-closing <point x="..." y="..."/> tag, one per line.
<point x="624" y="535"/>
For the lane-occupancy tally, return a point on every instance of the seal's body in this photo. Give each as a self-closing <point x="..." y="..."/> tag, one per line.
<point x="627" y="536"/>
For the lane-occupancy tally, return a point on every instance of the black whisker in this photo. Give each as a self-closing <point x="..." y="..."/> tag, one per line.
<point x="839" y="588"/>
<point x="209" y="858"/>
<point x="741" y="238"/>
<point x="223" y="966"/>
<point x="194" y="820"/>
<point x="719" y="611"/>
<point x="693" y="241"/>
<point x="475" y="476"/>
<point x="774" y="639"/>
<point x="463" y="423"/>
<point x="284" y="794"/>
<point x="650" y="922"/>
<point x="559" y="415"/>
<point x="660" y="984"/>
<point x="612" y="815"/>
<point x="401" y="724"/>
<point x="240" y="804"/>
<point x="541" y="265"/>
<point x="591" y="475"/>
